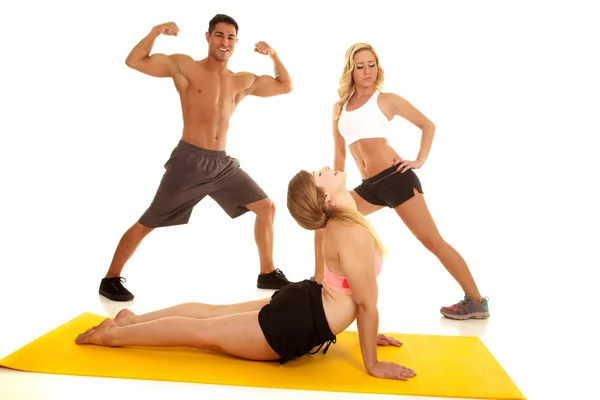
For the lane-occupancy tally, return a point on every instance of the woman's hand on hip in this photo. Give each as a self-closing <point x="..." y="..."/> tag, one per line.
<point x="404" y="165"/>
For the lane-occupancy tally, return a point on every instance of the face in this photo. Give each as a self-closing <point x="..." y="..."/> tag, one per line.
<point x="330" y="180"/>
<point x="365" y="70"/>
<point x="222" y="41"/>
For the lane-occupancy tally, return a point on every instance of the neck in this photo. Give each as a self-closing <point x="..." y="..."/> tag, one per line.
<point x="216" y="65"/>
<point x="360" y="91"/>
<point x="345" y="200"/>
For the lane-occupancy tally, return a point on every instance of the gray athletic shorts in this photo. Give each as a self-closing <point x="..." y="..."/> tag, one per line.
<point x="192" y="173"/>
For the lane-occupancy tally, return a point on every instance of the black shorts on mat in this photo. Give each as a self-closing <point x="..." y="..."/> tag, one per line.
<point x="294" y="321"/>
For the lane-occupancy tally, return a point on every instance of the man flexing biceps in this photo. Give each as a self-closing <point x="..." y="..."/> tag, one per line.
<point x="199" y="165"/>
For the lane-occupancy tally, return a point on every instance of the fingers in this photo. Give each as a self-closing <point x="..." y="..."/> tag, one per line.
<point x="169" y="28"/>
<point x="383" y="340"/>
<point x="404" y="166"/>
<point x="402" y="373"/>
<point x="262" y="48"/>
<point x="172" y="31"/>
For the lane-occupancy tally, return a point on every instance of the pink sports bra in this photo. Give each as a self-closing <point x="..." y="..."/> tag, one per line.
<point x="339" y="283"/>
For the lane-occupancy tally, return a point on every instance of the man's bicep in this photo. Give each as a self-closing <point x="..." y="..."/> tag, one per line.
<point x="157" y="65"/>
<point x="266" y="86"/>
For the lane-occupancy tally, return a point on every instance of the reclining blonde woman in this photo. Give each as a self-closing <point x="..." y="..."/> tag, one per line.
<point x="298" y="318"/>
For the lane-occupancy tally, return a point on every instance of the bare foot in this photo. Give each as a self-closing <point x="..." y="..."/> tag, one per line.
<point x="98" y="335"/>
<point x="125" y="317"/>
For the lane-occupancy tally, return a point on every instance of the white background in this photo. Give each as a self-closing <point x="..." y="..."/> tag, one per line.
<point x="511" y="179"/>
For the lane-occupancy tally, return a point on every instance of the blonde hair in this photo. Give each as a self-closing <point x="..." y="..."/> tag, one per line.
<point x="305" y="202"/>
<point x="347" y="86"/>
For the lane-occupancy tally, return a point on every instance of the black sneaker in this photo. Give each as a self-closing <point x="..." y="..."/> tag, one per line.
<point x="113" y="289"/>
<point x="272" y="280"/>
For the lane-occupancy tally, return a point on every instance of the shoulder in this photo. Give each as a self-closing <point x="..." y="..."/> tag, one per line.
<point x="391" y="102"/>
<point x="352" y="244"/>
<point x="180" y="57"/>
<point x="334" y="108"/>
<point x="347" y="234"/>
<point x="338" y="107"/>
<point x="390" y="97"/>
<point x="245" y="75"/>
<point x="247" y="79"/>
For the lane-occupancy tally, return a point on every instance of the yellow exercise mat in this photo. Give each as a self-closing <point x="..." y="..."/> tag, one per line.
<point x="446" y="366"/>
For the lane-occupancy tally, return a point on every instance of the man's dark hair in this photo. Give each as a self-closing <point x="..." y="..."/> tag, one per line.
<point x="222" y="18"/>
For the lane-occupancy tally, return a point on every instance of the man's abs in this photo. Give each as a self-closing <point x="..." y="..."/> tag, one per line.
<point x="207" y="102"/>
<point x="205" y="125"/>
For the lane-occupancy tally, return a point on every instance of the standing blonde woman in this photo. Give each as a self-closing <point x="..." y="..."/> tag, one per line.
<point x="361" y="118"/>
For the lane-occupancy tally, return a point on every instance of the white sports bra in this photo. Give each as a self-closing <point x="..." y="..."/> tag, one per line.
<point x="365" y="122"/>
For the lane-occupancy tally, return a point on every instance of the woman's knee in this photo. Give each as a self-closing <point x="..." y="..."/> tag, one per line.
<point x="433" y="243"/>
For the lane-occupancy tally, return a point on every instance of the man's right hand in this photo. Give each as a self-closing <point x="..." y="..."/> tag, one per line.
<point x="168" y="28"/>
<point x="390" y="370"/>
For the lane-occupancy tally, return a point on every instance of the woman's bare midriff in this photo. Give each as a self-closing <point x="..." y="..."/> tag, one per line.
<point x="340" y="309"/>
<point x="372" y="156"/>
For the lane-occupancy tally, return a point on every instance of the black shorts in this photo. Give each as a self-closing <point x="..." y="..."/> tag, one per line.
<point x="389" y="188"/>
<point x="294" y="321"/>
<point x="191" y="174"/>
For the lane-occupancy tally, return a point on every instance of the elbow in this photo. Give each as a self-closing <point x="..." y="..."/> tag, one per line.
<point x="430" y="126"/>
<point x="368" y="309"/>
<point x="288" y="88"/>
<point x="129" y="62"/>
<point x="134" y="62"/>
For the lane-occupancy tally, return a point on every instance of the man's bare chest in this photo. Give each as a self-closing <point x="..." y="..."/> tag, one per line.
<point x="213" y="89"/>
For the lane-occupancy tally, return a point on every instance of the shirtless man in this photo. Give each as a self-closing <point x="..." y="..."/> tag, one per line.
<point x="199" y="165"/>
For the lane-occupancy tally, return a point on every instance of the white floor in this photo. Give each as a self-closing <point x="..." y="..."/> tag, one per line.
<point x="536" y="330"/>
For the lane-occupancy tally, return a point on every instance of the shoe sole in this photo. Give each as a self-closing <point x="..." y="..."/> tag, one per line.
<point x="117" y="297"/>
<point x="262" y="286"/>
<point x="479" y="315"/>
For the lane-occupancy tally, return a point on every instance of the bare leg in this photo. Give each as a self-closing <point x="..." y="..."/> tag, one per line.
<point x="418" y="219"/>
<point x="127" y="246"/>
<point x="263" y="232"/>
<point x="190" y="310"/>
<point x="364" y="207"/>
<point x="238" y="335"/>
